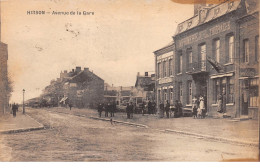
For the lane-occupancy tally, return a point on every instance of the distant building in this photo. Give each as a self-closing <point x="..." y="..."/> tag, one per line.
<point x="146" y="85"/>
<point x="81" y="88"/>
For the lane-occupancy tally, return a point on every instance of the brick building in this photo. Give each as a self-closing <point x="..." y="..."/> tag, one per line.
<point x="216" y="51"/>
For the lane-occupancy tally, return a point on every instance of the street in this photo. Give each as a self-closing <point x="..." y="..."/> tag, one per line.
<point x="73" y="138"/>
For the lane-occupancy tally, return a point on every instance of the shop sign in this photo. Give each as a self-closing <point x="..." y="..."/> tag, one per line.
<point x="247" y="72"/>
<point x="204" y="34"/>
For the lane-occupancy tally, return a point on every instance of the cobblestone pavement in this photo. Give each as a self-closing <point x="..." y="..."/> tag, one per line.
<point x="74" y="138"/>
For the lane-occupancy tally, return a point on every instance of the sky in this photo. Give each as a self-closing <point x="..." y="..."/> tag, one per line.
<point x="115" y="43"/>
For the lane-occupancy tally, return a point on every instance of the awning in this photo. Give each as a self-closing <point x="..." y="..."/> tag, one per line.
<point x="222" y="75"/>
<point x="63" y="99"/>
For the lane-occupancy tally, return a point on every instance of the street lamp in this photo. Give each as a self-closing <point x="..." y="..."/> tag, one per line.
<point x="23" y="102"/>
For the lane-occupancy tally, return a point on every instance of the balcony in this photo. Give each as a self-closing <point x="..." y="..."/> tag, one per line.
<point x="197" y="67"/>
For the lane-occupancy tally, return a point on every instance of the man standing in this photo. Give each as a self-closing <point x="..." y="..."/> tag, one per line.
<point x="100" y="109"/>
<point x="14" y="107"/>
<point x="161" y="110"/>
<point x="149" y="107"/>
<point x="167" y="108"/>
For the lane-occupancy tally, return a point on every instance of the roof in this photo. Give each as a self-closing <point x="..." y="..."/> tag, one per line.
<point x="143" y="81"/>
<point x="166" y="46"/>
<point x="83" y="76"/>
<point x="207" y="14"/>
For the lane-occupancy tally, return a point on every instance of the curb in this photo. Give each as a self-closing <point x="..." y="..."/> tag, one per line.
<point x="213" y="138"/>
<point x="24" y="129"/>
<point x="120" y="122"/>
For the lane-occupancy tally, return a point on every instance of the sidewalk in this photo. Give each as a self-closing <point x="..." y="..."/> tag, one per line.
<point x="20" y="123"/>
<point x="242" y="131"/>
<point x="222" y="129"/>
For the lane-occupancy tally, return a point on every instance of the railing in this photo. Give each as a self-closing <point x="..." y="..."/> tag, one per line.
<point x="196" y="67"/>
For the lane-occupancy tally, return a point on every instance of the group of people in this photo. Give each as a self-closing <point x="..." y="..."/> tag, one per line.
<point x="14" y="109"/>
<point x="150" y="107"/>
<point x="109" y="107"/>
<point x="198" y="107"/>
<point x="167" y="108"/>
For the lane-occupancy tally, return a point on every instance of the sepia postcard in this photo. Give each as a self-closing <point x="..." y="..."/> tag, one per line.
<point x="129" y="81"/>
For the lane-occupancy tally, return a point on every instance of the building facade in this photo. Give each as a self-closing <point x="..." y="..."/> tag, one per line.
<point x="4" y="91"/>
<point x="165" y="73"/>
<point x="216" y="52"/>
<point x="81" y="88"/>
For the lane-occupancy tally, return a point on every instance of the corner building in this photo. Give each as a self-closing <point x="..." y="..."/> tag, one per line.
<point x="217" y="50"/>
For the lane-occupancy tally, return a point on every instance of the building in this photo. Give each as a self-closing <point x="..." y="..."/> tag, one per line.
<point x="4" y="83"/>
<point x="81" y="88"/>
<point x="216" y="51"/>
<point x="164" y="63"/>
<point x="145" y="85"/>
<point x="4" y="91"/>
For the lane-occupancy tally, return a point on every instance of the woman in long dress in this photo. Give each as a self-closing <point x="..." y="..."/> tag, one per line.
<point x="201" y="107"/>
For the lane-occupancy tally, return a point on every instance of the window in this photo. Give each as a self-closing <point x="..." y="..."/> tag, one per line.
<point x="165" y="95"/>
<point x="216" y="89"/>
<point x="202" y="52"/>
<point x="180" y="91"/>
<point x="159" y="70"/>
<point x="189" y="96"/>
<point x="256" y="48"/>
<point x="171" y="95"/>
<point x="231" y="47"/>
<point x="189" y="58"/>
<point x="225" y="84"/>
<point x="230" y="90"/>
<point x="164" y="69"/>
<point x="253" y="92"/>
<point x="246" y="50"/>
<point x="170" y="67"/>
<point x="180" y="62"/>
<point x="216" y="49"/>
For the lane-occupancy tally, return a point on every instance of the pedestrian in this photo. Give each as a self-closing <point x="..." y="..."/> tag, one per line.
<point x="113" y="109"/>
<point x="161" y="110"/>
<point x="131" y="110"/>
<point x="143" y="108"/>
<point x="201" y="107"/>
<point x="106" y="109"/>
<point x="167" y="108"/>
<point x="100" y="109"/>
<point x="176" y="110"/>
<point x="149" y="107"/>
<point x="14" y="110"/>
<point x="128" y="110"/>
<point x="194" y="107"/>
<point x="153" y="107"/>
<point x="219" y="102"/>
<point x="70" y="105"/>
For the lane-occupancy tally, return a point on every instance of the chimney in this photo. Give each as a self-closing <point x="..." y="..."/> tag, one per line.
<point x="86" y="69"/>
<point x="146" y="74"/>
<point x="138" y="73"/>
<point x="65" y="71"/>
<point x="73" y="70"/>
<point x="78" y="69"/>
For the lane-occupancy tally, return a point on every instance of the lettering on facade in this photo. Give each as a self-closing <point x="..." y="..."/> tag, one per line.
<point x="247" y="72"/>
<point x="165" y="80"/>
<point x="204" y="34"/>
